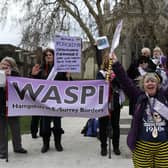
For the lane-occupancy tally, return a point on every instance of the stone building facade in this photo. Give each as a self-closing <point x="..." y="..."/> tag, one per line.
<point x="24" y="59"/>
<point x="144" y="25"/>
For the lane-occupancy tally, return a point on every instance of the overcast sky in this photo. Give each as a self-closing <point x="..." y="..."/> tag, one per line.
<point x="10" y="35"/>
<point x="11" y="32"/>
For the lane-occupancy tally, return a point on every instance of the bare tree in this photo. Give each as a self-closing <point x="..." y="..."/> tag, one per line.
<point x="42" y="19"/>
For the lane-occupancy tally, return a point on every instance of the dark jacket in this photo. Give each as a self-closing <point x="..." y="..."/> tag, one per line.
<point x="113" y="92"/>
<point x="44" y="72"/>
<point x="139" y="98"/>
<point x="45" y="130"/>
<point x="133" y="68"/>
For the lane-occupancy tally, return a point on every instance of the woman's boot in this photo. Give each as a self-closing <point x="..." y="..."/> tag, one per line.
<point x="45" y="146"/>
<point x="116" y="149"/>
<point x="58" y="146"/>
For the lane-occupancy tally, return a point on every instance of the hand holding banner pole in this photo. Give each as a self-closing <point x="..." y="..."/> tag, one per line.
<point x="114" y="45"/>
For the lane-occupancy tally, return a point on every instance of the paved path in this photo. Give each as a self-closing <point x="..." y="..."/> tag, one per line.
<point x="79" y="151"/>
<point x="125" y="121"/>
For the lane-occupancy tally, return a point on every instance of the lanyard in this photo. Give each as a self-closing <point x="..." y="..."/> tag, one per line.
<point x="151" y="106"/>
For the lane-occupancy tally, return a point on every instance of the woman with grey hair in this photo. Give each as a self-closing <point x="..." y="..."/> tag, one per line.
<point x="9" y="65"/>
<point x="148" y="136"/>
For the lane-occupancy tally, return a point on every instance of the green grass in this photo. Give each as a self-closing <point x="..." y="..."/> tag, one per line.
<point x="24" y="124"/>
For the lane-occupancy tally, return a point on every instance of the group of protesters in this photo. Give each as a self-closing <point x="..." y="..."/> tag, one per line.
<point x="146" y="85"/>
<point x="42" y="71"/>
<point x="148" y="94"/>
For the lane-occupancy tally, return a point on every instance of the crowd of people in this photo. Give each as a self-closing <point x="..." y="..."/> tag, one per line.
<point x="145" y="83"/>
<point x="148" y="136"/>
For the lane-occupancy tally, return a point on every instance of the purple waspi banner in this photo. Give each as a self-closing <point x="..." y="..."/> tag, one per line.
<point x="28" y="97"/>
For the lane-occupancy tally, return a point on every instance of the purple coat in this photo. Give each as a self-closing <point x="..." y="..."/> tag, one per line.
<point x="139" y="97"/>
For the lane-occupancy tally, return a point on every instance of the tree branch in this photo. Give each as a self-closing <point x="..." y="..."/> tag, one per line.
<point x="78" y="19"/>
<point x="100" y="18"/>
<point x="77" y="10"/>
<point x="49" y="3"/>
<point x="91" y="10"/>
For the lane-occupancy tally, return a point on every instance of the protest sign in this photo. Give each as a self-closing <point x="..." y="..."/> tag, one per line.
<point x="67" y="54"/>
<point x="102" y="42"/>
<point x="116" y="36"/>
<point x="30" y="97"/>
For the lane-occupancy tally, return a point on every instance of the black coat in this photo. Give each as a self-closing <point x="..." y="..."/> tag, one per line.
<point x="113" y="92"/>
<point x="44" y="72"/>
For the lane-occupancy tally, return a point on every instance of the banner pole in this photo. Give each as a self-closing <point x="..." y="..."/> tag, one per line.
<point x="109" y="129"/>
<point x="6" y="116"/>
<point x="6" y="139"/>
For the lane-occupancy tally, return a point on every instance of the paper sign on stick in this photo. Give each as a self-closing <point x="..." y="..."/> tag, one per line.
<point x="116" y="37"/>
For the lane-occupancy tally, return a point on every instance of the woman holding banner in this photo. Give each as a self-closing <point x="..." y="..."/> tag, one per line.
<point x="8" y="64"/>
<point x="148" y="136"/>
<point x="114" y="111"/>
<point x="42" y="72"/>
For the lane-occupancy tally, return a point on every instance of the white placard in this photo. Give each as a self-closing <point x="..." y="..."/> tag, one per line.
<point x="116" y="37"/>
<point x="67" y="54"/>
<point x="102" y="42"/>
